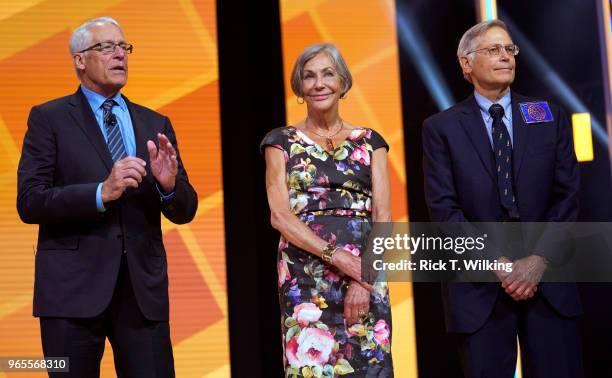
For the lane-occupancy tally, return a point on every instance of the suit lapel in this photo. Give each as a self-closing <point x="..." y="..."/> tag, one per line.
<point x="519" y="133"/>
<point x="474" y="126"/>
<point x="81" y="112"/>
<point x="141" y="133"/>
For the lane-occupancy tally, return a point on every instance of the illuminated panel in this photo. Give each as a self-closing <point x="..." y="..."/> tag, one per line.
<point x="366" y="36"/>
<point x="486" y="10"/>
<point x="173" y="70"/>
<point x="605" y="38"/>
<point x="583" y="137"/>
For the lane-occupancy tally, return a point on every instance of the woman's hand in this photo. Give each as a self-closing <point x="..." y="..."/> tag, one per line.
<point x="350" y="265"/>
<point x="356" y="303"/>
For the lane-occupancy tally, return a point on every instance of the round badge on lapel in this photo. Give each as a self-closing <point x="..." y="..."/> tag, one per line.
<point x="537" y="112"/>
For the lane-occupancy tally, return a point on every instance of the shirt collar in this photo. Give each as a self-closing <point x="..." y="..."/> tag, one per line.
<point x="96" y="100"/>
<point x="484" y="104"/>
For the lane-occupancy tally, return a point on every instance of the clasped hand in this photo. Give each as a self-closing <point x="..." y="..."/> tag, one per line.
<point x="356" y="303"/>
<point x="522" y="282"/>
<point x="351" y="266"/>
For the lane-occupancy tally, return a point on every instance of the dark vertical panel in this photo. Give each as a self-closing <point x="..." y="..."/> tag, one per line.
<point x="252" y="102"/>
<point x="442" y="23"/>
<point x="568" y="39"/>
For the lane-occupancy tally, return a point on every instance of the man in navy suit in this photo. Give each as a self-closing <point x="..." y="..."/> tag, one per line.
<point x="94" y="180"/>
<point x="501" y="157"/>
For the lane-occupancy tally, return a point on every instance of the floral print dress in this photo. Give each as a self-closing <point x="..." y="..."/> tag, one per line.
<point x="332" y="194"/>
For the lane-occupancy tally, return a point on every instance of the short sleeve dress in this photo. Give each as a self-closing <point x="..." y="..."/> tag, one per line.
<point x="331" y="192"/>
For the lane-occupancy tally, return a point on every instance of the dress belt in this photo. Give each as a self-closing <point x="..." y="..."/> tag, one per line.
<point x="336" y="212"/>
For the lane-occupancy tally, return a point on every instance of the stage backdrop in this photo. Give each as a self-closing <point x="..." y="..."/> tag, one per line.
<point x="173" y="70"/>
<point x="366" y="37"/>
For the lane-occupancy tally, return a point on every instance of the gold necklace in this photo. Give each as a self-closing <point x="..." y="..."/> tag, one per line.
<point x="329" y="143"/>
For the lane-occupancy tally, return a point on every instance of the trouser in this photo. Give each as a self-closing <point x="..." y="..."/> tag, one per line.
<point x="550" y="343"/>
<point x="141" y="347"/>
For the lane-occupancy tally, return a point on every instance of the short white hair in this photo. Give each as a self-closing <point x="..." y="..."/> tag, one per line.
<point x="469" y="40"/>
<point x="81" y="37"/>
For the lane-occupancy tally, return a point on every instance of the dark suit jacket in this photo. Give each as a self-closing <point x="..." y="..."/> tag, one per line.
<point x="461" y="186"/>
<point x="64" y="157"/>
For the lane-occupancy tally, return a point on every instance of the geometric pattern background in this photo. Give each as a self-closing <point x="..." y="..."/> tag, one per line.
<point x="173" y="70"/>
<point x="365" y="34"/>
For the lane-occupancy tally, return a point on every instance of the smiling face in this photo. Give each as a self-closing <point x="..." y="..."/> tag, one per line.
<point x="321" y="83"/>
<point x="105" y="74"/>
<point x="490" y="73"/>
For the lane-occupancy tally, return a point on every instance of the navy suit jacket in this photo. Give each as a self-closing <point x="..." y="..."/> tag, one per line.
<point x="461" y="186"/>
<point x="79" y="250"/>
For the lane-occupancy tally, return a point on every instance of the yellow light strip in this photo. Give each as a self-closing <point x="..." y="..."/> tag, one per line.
<point x="519" y="373"/>
<point x="583" y="137"/>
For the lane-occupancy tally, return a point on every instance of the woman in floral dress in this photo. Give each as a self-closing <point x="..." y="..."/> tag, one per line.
<point x="327" y="182"/>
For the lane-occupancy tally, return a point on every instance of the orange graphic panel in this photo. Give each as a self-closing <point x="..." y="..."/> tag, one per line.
<point x="365" y="34"/>
<point x="173" y="70"/>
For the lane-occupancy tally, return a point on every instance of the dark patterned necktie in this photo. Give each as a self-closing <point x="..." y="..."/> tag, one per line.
<point x="502" y="148"/>
<point x="114" y="139"/>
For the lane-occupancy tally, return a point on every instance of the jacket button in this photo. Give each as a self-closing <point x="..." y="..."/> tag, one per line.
<point x="125" y="251"/>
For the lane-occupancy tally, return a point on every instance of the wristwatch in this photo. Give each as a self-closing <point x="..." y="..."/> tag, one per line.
<point x="328" y="253"/>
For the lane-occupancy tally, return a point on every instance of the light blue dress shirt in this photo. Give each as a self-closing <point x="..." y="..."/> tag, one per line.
<point x="126" y="128"/>
<point x="484" y="104"/>
<point x="124" y="122"/>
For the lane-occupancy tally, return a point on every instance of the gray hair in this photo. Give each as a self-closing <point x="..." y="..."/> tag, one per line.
<point x="310" y="52"/>
<point x="81" y="37"/>
<point x="469" y="40"/>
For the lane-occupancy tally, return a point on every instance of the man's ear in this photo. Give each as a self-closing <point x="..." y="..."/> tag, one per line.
<point x="466" y="65"/>
<point x="79" y="61"/>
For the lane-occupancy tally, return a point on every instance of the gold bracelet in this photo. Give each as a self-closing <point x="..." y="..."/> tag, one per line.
<point x="328" y="253"/>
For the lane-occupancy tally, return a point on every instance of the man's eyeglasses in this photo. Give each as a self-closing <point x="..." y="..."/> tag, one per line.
<point x="109" y="47"/>
<point x="496" y="50"/>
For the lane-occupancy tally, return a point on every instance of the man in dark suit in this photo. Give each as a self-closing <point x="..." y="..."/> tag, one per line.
<point x="486" y="160"/>
<point x="95" y="181"/>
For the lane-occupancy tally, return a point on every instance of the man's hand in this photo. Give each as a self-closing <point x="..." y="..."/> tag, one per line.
<point x="163" y="162"/>
<point x="502" y="274"/>
<point x="522" y="282"/>
<point x="127" y="172"/>
<point x="356" y="303"/>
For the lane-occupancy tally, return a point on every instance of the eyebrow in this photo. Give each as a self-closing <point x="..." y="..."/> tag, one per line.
<point x="330" y="68"/>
